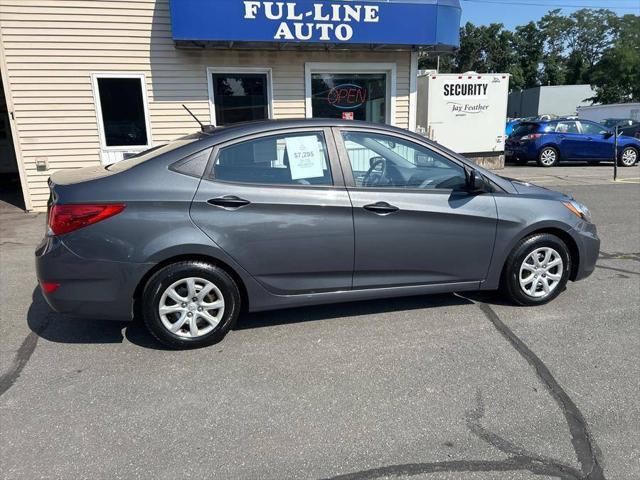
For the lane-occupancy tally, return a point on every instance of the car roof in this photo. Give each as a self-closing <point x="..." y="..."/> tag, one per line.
<point x="276" y="124"/>
<point x="230" y="132"/>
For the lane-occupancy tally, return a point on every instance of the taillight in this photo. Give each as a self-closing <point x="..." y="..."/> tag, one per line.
<point x="532" y="136"/>
<point x="49" y="287"/>
<point x="67" y="218"/>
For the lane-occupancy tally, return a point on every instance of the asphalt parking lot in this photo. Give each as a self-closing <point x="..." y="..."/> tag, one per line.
<point x="440" y="387"/>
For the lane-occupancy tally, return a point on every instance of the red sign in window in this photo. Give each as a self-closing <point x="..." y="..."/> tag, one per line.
<point x="347" y="115"/>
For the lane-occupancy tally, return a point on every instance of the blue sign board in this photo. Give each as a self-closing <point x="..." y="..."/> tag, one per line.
<point x="392" y="22"/>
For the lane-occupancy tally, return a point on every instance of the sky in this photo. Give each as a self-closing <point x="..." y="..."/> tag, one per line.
<point x="511" y="13"/>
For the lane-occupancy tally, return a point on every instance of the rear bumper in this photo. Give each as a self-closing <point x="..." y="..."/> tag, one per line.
<point x="588" y="249"/>
<point x="88" y="288"/>
<point x="526" y="151"/>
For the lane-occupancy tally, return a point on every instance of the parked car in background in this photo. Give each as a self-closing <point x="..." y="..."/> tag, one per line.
<point x="626" y="126"/>
<point x="290" y="213"/>
<point x="550" y="142"/>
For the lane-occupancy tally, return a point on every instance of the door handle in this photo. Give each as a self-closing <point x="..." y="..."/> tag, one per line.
<point x="381" y="208"/>
<point x="228" y="201"/>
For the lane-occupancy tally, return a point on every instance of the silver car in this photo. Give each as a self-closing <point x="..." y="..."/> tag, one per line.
<point x="290" y="213"/>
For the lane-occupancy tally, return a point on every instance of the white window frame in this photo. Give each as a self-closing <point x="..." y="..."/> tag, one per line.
<point x="239" y="70"/>
<point x="98" y="106"/>
<point x="389" y="69"/>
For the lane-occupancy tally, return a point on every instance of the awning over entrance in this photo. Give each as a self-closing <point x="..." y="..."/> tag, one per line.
<point x="338" y="23"/>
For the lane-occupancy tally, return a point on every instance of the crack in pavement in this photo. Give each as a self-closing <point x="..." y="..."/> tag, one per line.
<point x="635" y="256"/>
<point x="22" y="356"/>
<point x="587" y="452"/>
<point x="631" y="272"/>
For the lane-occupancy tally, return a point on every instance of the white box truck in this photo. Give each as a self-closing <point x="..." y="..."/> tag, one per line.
<point x="597" y="113"/>
<point x="464" y="112"/>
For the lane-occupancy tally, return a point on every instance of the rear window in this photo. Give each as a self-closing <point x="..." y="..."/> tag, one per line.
<point x="152" y="153"/>
<point x="525" y="129"/>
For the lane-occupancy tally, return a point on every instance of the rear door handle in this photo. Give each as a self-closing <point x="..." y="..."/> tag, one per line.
<point x="229" y="201"/>
<point x="381" y="208"/>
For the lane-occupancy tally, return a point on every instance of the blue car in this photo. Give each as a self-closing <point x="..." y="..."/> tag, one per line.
<point x="549" y="142"/>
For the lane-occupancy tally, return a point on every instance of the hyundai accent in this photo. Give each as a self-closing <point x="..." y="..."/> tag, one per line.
<point x="279" y="214"/>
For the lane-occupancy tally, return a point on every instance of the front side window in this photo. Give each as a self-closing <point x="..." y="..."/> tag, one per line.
<point x="389" y="162"/>
<point x="240" y="97"/>
<point x="592" y="128"/>
<point x="289" y="159"/>
<point x="122" y="111"/>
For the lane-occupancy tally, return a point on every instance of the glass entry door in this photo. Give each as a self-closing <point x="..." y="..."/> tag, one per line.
<point x="350" y="96"/>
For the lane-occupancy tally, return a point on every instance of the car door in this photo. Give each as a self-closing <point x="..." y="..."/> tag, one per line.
<point x="598" y="140"/>
<point x="415" y="223"/>
<point x="277" y="204"/>
<point x="571" y="142"/>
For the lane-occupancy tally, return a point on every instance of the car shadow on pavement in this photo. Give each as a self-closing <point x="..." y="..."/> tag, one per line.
<point x="532" y="163"/>
<point x="350" y="309"/>
<point x="58" y="328"/>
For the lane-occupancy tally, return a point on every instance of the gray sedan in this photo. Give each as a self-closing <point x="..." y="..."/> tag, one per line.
<point x="290" y="213"/>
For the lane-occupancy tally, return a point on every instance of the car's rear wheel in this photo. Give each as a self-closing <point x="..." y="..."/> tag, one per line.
<point x="548" y="157"/>
<point x="190" y="304"/>
<point x="537" y="270"/>
<point x="628" y="157"/>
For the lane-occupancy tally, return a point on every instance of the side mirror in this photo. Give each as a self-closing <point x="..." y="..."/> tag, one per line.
<point x="475" y="181"/>
<point x="607" y="134"/>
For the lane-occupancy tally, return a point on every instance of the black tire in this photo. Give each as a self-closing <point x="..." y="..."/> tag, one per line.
<point x="167" y="276"/>
<point x="628" y="150"/>
<point x="510" y="284"/>
<point x="544" y="155"/>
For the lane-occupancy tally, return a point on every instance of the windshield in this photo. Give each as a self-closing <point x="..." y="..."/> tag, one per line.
<point x="152" y="153"/>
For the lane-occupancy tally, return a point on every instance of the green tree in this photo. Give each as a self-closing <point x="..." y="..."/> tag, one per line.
<point x="591" y="32"/>
<point x="553" y="27"/>
<point x="588" y="46"/>
<point x="616" y="76"/>
<point x="528" y="42"/>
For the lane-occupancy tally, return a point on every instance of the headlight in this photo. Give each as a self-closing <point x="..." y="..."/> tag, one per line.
<point x="578" y="209"/>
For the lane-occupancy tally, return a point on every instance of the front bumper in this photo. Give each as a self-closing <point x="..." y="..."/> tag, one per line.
<point x="586" y="237"/>
<point x="88" y="288"/>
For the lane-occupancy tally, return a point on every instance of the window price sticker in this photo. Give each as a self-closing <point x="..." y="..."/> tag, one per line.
<point x="305" y="158"/>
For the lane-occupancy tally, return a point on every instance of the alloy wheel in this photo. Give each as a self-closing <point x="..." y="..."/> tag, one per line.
<point x="191" y="307"/>
<point x="541" y="272"/>
<point x="629" y="157"/>
<point x="548" y="157"/>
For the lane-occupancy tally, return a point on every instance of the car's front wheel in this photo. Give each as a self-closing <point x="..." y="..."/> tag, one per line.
<point x="628" y="157"/>
<point x="190" y="304"/>
<point x="537" y="270"/>
<point x="548" y="157"/>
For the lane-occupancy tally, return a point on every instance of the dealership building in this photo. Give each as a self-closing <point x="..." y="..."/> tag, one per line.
<point x="90" y="81"/>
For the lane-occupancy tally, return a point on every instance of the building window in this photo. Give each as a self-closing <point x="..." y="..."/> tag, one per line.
<point x="239" y="97"/>
<point x="350" y="96"/>
<point x="122" y="110"/>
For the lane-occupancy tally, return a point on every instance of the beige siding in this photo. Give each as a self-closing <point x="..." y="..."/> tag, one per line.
<point x="51" y="47"/>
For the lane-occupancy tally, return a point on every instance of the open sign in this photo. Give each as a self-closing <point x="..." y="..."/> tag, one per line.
<point x="347" y="96"/>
